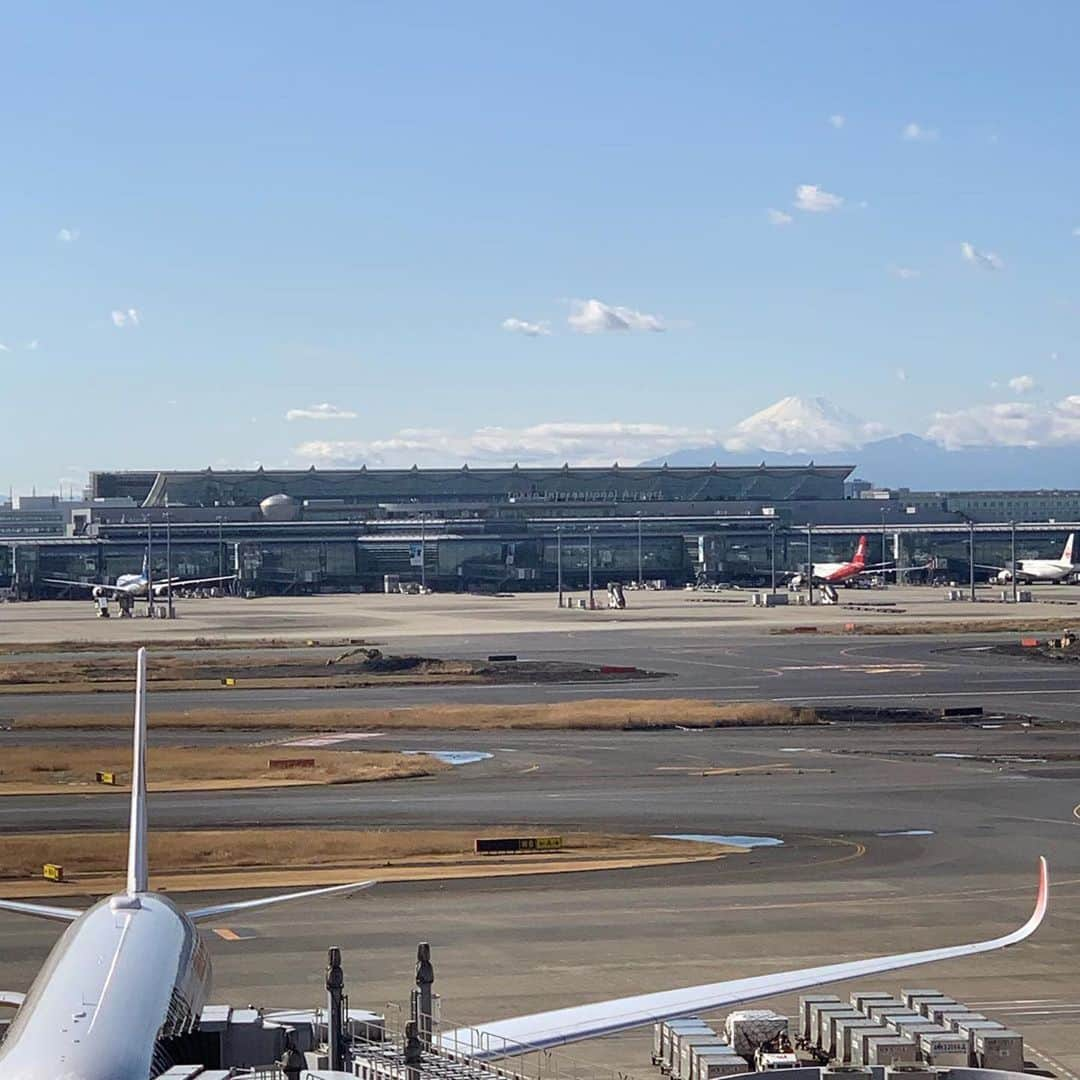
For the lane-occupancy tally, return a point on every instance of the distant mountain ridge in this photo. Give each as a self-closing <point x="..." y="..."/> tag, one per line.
<point x="914" y="462"/>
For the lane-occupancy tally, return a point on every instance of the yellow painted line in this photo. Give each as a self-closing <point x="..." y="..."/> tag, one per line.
<point x="226" y="934"/>
<point x="531" y="768"/>
<point x="1076" y="811"/>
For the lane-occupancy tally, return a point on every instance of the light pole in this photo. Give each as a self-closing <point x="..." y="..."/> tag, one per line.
<point x="772" y="555"/>
<point x="149" y="567"/>
<point x="971" y="557"/>
<point x="810" y="561"/>
<point x="1012" y="529"/>
<point x="423" y="554"/>
<point x="558" y="560"/>
<point x="640" y="571"/>
<point x="592" y="602"/>
<point x="220" y="551"/>
<point x="168" y="564"/>
<point x="884" y="555"/>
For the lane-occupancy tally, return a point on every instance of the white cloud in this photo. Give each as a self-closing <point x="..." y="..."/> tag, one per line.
<point x="802" y="425"/>
<point x="67" y="236"/>
<point x="901" y="374"/>
<point x="547" y="444"/>
<point x="904" y="273"/>
<point x="988" y="260"/>
<point x="529" y="329"/>
<point x="122" y="318"/>
<point x="837" y="120"/>
<point x="594" y="317"/>
<point x="779" y="217"/>
<point x="325" y="411"/>
<point x="814" y="200"/>
<point x="4" y="348"/>
<point x="1011" y="423"/>
<point x="1021" y="384"/>
<point x="914" y="132"/>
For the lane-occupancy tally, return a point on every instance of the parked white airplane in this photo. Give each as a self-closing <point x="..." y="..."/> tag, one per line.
<point x="137" y="586"/>
<point x="1053" y="571"/>
<point x="133" y="970"/>
<point x="127" y="973"/>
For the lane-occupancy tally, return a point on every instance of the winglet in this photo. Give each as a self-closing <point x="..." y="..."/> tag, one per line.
<point x="138" y="875"/>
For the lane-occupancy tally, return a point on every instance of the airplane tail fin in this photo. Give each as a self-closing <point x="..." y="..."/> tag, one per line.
<point x="146" y="564"/>
<point x="138" y="871"/>
<point x="1067" y="554"/>
<point x="860" y="552"/>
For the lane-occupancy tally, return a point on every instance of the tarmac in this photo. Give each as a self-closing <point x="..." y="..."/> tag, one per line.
<point x="893" y="837"/>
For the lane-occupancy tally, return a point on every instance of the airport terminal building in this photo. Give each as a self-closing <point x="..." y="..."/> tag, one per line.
<point x="488" y="529"/>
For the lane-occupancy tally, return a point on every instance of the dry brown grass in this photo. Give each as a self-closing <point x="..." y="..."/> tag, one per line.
<point x="22" y="856"/>
<point x="619" y="714"/>
<point x="76" y="765"/>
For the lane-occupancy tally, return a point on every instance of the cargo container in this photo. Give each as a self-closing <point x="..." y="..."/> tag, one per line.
<point x="850" y="1030"/>
<point x="947" y="1049"/>
<point x="926" y="1007"/>
<point x="747" y="1029"/>
<point x="670" y="1031"/>
<point x="711" y="1066"/>
<point x="831" y="1032"/>
<point x="944" y="1014"/>
<point x="675" y="1036"/>
<point x="846" y="1072"/>
<point x="687" y="1045"/>
<point x="858" y="1042"/>
<point x="890" y="1050"/>
<point x="919" y="1026"/>
<point x="909" y="1072"/>
<point x="891" y="1019"/>
<point x="861" y="999"/>
<point x="805" y="1003"/>
<point x="954" y="1021"/>
<point x="999" y="1050"/>
<point x="821" y="1019"/>
<point x="879" y="1006"/>
<point x="912" y="998"/>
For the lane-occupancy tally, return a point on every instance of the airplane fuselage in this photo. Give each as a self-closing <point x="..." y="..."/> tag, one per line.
<point x="1040" y="570"/>
<point x="124" y="974"/>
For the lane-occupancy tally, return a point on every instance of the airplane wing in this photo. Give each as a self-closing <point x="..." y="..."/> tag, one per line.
<point x="506" y="1038"/>
<point x="11" y="997"/>
<point x="82" y="585"/>
<point x="202" y="914"/>
<point x="180" y="582"/>
<point x="41" y="911"/>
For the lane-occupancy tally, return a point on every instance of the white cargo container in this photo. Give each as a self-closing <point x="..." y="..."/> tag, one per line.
<point x="948" y="1049"/>
<point x="919" y="1026"/>
<point x="862" y="999"/>
<point x="711" y="1066"/>
<point x="877" y="1009"/>
<point x="670" y="1034"/>
<point x="661" y="1036"/>
<point x="674" y="1045"/>
<point x="927" y="1007"/>
<point x="891" y="1019"/>
<point x="945" y="1014"/>
<point x="846" y="1072"/>
<point x="912" y="998"/>
<point x="805" y="1002"/>
<point x="909" y="1072"/>
<point x="954" y="1021"/>
<point x="832" y="1033"/>
<point x="688" y="1044"/>
<point x="849" y="1031"/>
<point x="747" y="1029"/>
<point x="822" y="1015"/>
<point x="999" y="1050"/>
<point x="891" y="1050"/>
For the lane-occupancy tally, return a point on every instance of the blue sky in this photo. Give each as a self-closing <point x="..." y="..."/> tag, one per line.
<point x="218" y="214"/>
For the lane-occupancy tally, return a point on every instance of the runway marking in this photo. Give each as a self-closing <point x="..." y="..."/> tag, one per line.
<point x="333" y="740"/>
<point x="1054" y="1064"/>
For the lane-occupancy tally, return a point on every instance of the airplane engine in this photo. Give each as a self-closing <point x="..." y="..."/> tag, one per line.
<point x="97" y="591"/>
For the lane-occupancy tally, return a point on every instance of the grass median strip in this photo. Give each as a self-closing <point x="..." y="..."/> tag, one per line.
<point x="250" y="858"/>
<point x="32" y="770"/>
<point x="618" y="714"/>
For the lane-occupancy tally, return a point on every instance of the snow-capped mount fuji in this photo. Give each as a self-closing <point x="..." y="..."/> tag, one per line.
<point x="802" y="425"/>
<point x="796" y="430"/>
